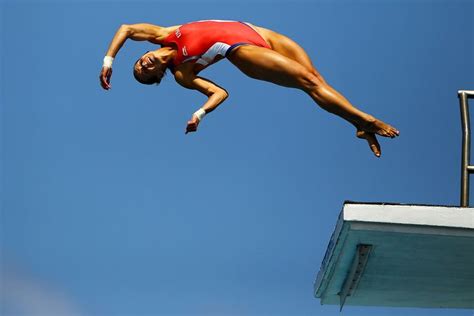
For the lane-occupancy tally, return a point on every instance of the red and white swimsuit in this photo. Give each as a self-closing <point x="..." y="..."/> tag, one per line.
<point x="202" y="41"/>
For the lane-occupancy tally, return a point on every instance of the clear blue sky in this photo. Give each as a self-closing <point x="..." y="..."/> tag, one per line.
<point x="108" y="208"/>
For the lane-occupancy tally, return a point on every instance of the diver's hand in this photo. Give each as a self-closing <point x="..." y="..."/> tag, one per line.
<point x="192" y="124"/>
<point x="104" y="77"/>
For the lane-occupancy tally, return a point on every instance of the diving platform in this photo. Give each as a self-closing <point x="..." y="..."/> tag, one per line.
<point x="400" y="256"/>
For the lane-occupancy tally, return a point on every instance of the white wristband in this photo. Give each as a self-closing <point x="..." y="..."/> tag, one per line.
<point x="200" y="113"/>
<point x="108" y="61"/>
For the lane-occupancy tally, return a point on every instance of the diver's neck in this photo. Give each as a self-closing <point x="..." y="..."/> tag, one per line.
<point x="168" y="53"/>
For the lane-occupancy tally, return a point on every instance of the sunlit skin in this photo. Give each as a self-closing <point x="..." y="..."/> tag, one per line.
<point x="285" y="64"/>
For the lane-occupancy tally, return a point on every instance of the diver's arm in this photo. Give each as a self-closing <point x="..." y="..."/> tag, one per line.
<point x="215" y="95"/>
<point x="135" y="32"/>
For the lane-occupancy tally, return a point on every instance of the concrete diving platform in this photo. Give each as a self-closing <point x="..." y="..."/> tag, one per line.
<point x="399" y="255"/>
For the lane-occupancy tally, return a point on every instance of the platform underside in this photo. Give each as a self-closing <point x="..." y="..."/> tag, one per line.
<point x="414" y="262"/>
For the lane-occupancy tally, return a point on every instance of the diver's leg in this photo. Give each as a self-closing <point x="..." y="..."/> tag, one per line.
<point x="268" y="65"/>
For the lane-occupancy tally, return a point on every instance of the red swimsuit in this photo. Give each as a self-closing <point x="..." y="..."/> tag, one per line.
<point x="202" y="41"/>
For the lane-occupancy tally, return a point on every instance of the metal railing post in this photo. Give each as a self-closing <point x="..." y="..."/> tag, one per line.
<point x="466" y="168"/>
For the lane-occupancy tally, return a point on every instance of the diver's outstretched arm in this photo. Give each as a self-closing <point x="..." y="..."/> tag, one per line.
<point x="136" y="32"/>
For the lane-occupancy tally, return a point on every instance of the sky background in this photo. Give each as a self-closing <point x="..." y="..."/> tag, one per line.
<point x="108" y="208"/>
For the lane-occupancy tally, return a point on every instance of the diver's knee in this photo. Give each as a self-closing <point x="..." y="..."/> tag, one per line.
<point x="311" y="80"/>
<point x="318" y="75"/>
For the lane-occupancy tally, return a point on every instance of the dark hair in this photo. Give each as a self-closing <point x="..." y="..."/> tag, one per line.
<point x="150" y="80"/>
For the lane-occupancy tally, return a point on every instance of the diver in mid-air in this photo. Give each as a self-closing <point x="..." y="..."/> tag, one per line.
<point x="258" y="52"/>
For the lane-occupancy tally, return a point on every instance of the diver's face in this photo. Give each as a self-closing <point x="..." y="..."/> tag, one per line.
<point x="150" y="65"/>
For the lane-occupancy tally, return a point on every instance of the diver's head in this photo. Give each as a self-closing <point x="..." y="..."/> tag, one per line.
<point x="151" y="67"/>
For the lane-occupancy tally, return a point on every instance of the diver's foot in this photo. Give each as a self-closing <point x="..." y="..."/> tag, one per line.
<point x="371" y="140"/>
<point x="375" y="126"/>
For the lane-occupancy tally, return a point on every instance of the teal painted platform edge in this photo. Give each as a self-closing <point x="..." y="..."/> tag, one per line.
<point x="333" y="250"/>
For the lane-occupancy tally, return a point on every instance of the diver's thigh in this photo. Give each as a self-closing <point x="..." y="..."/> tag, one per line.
<point x="268" y="65"/>
<point x="286" y="46"/>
